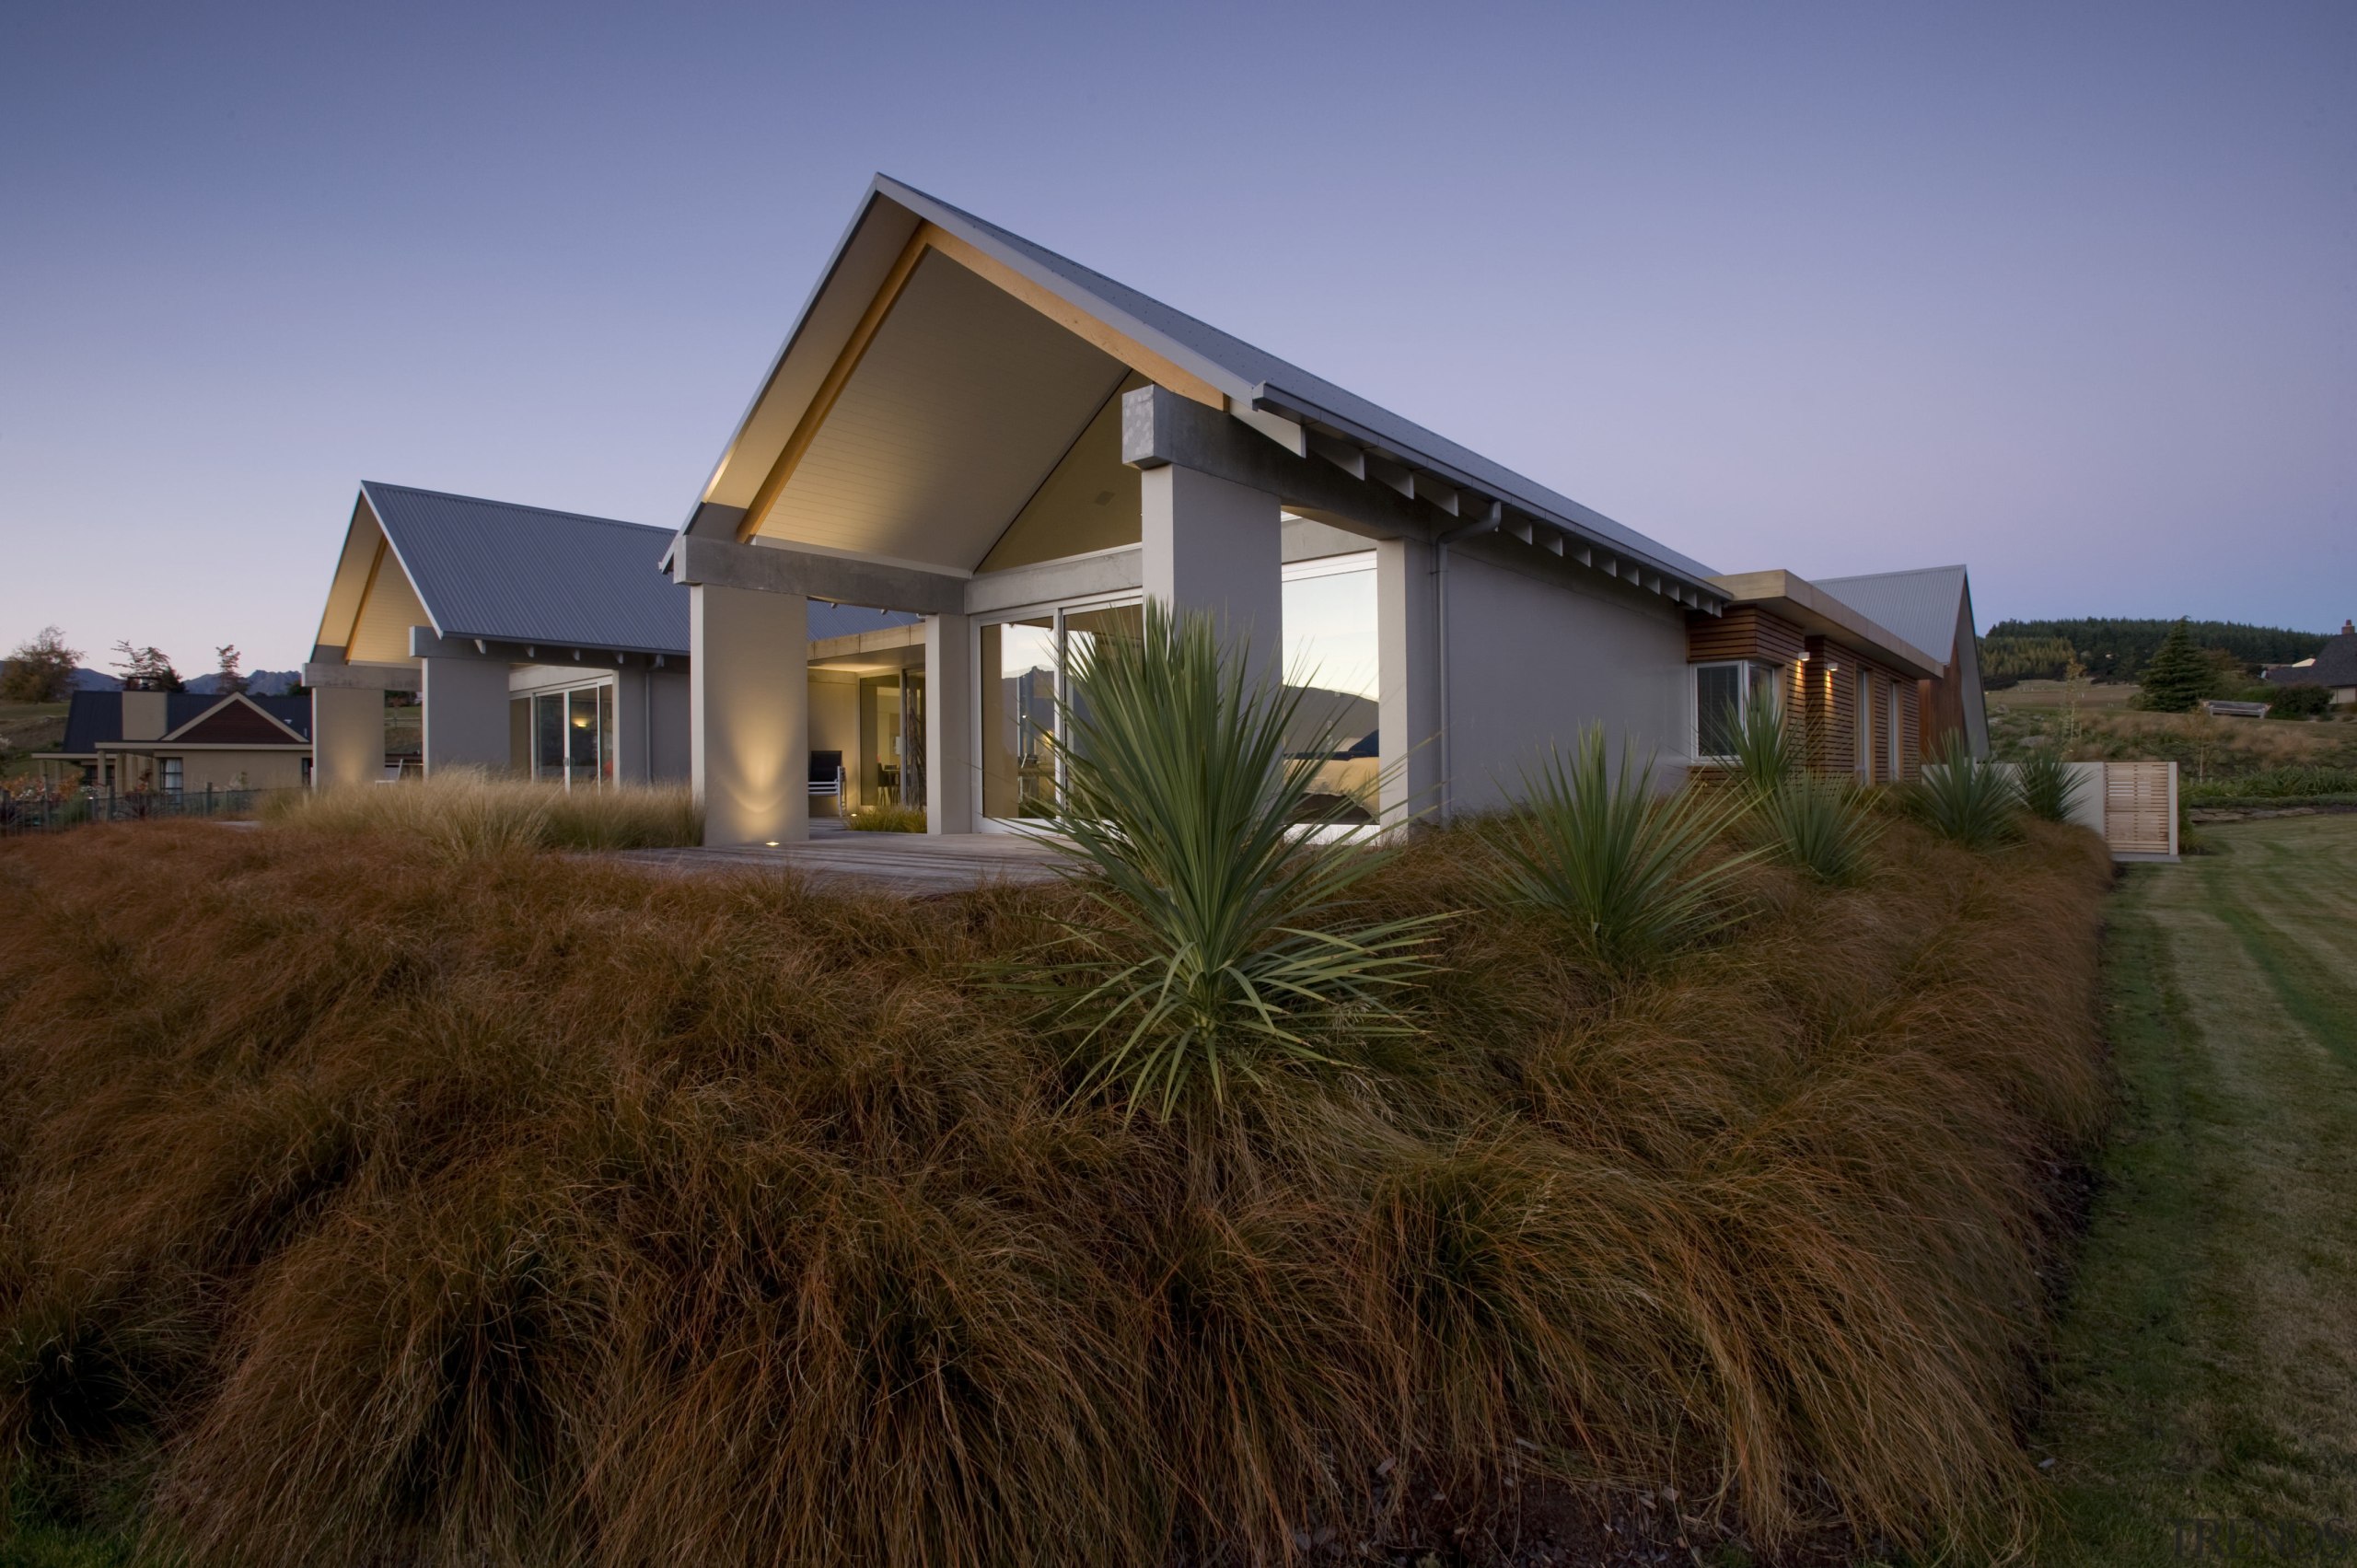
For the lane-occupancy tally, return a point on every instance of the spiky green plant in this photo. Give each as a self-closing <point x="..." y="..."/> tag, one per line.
<point x="1966" y="798"/>
<point x="2049" y="790"/>
<point x="1217" y="944"/>
<point x="1821" y="826"/>
<point x="1767" y="752"/>
<point x="1622" y="863"/>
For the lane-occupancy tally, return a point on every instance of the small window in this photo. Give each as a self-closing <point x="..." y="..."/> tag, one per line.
<point x="1725" y="695"/>
<point x="172" y="775"/>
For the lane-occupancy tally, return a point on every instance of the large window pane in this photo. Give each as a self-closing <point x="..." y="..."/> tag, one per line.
<point x="547" y="757"/>
<point x="1083" y="628"/>
<point x="1718" y="691"/>
<point x="606" y="733"/>
<point x="1019" y="668"/>
<point x="581" y="748"/>
<point x="1332" y="667"/>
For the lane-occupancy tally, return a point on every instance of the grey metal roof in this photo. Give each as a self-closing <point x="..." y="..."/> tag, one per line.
<point x="492" y="569"/>
<point x="514" y="573"/>
<point x="1920" y="606"/>
<point x="1257" y="378"/>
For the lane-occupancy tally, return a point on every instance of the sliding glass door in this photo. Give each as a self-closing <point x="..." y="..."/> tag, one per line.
<point x="1026" y="667"/>
<point x="573" y="736"/>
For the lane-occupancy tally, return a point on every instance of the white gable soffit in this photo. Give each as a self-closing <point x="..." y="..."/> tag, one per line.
<point x="1340" y="427"/>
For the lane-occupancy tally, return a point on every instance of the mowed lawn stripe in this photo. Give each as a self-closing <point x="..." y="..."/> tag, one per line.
<point x="2208" y="1362"/>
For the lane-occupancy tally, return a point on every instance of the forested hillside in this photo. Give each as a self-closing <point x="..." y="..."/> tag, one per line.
<point x="2115" y="648"/>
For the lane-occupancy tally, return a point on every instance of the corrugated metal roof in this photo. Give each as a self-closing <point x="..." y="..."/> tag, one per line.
<point x="1920" y="606"/>
<point x="516" y="574"/>
<point x="1253" y="374"/>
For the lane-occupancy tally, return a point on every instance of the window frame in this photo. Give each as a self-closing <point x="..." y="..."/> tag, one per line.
<point x="1748" y="683"/>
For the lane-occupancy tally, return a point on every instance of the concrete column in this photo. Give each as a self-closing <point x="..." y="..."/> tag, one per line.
<point x="347" y="736"/>
<point x="950" y="693"/>
<point x="1408" y="663"/>
<point x="465" y="713"/>
<point x="749" y="713"/>
<point x="1211" y="544"/>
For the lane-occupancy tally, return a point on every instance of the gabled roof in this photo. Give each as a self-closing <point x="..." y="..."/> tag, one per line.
<point x="499" y="571"/>
<point x="1258" y="386"/>
<point x="2335" y="664"/>
<point x="95" y="718"/>
<point x="236" y="719"/>
<point x="1922" y="606"/>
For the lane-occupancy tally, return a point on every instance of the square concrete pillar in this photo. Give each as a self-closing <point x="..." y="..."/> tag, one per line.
<point x="347" y="736"/>
<point x="1407" y="673"/>
<point x="1213" y="545"/>
<point x="749" y="713"/>
<point x="465" y="713"/>
<point x="950" y="693"/>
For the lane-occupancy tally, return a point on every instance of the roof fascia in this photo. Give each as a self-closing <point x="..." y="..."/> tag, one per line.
<point x="1797" y="600"/>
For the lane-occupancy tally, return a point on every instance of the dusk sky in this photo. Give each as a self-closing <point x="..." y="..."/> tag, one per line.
<point x="2066" y="292"/>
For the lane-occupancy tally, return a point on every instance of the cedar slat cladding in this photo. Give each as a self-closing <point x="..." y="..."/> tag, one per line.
<point x="1746" y="632"/>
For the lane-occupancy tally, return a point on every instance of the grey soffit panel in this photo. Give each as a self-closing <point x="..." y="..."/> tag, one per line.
<point x="1920" y="606"/>
<point x="1251" y="372"/>
<point x="527" y="575"/>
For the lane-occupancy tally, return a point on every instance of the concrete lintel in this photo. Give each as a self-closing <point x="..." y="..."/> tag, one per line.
<point x="1161" y="429"/>
<point x="783" y="569"/>
<point x="1079" y="576"/>
<point x="883" y="640"/>
<point x="340" y="677"/>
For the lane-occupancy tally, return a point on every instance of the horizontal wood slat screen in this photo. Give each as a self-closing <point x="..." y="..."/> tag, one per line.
<point x="1744" y="632"/>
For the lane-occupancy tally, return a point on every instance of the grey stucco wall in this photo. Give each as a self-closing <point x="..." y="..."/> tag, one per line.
<point x="1531" y="662"/>
<point x="667" y="697"/>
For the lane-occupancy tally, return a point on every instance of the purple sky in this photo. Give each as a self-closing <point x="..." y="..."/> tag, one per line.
<point x="2067" y="292"/>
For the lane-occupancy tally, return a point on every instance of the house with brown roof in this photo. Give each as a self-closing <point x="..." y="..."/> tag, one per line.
<point x="170" y="742"/>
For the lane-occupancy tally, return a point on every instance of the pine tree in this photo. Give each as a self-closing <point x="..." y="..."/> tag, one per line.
<point x="230" y="679"/>
<point x="2178" y="674"/>
<point x="147" y="670"/>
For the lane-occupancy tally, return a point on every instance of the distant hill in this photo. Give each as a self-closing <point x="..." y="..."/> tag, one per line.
<point x="96" y="680"/>
<point x="2115" y="648"/>
<point x="260" y="682"/>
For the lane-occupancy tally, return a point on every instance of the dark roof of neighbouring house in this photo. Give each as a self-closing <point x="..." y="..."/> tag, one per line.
<point x="96" y="717"/>
<point x="2335" y="664"/>
<point x="1922" y="605"/>
<point x="515" y="574"/>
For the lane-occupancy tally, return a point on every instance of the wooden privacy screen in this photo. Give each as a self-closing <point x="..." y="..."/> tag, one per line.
<point x="2139" y="807"/>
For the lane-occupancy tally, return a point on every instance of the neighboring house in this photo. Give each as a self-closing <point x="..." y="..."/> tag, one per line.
<point x="2334" y="668"/>
<point x="176" y="741"/>
<point x="542" y="644"/>
<point x="1006" y="453"/>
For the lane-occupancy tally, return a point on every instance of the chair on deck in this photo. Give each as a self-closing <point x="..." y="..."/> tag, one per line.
<point x="827" y="778"/>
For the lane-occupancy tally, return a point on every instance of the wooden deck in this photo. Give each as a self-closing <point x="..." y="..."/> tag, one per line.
<point x="914" y="865"/>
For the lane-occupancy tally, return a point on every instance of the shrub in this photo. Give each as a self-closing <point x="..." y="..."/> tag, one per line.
<point x="2299" y="702"/>
<point x="2049" y="788"/>
<point x="466" y="814"/>
<point x="2275" y="783"/>
<point x="1767" y="754"/>
<point x="1624" y="866"/>
<point x="1964" y="799"/>
<point x="1820" y="826"/>
<point x="879" y="817"/>
<point x="1216" y="942"/>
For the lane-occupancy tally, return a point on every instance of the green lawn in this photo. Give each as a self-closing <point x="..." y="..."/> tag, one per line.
<point x="2208" y="1366"/>
<point x="26" y="727"/>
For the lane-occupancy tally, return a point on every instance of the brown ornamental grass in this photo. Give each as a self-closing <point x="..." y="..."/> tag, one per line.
<point x="365" y="1201"/>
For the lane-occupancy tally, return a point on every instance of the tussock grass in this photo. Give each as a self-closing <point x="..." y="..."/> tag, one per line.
<point x="462" y="813"/>
<point x="536" y="1210"/>
<point x="878" y="816"/>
